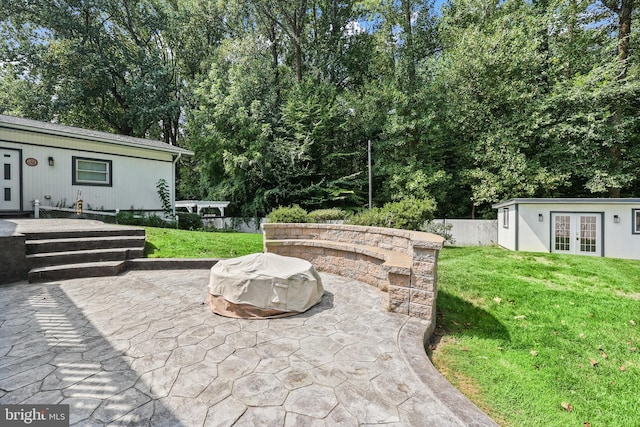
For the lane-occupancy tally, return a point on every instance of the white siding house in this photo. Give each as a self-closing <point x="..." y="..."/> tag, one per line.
<point x="596" y="227"/>
<point x="53" y="163"/>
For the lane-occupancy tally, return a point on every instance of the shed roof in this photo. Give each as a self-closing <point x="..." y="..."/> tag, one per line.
<point x="18" y="123"/>
<point x="569" y="200"/>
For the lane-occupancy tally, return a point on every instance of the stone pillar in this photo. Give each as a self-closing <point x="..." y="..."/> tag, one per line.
<point x="399" y="289"/>
<point x="424" y="273"/>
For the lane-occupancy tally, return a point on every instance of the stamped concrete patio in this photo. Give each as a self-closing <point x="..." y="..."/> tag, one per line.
<point x="142" y="348"/>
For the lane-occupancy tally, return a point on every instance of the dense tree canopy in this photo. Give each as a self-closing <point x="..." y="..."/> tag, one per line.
<point x="469" y="104"/>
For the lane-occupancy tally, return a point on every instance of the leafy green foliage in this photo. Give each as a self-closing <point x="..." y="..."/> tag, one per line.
<point x="189" y="221"/>
<point x="292" y="214"/>
<point x="321" y="215"/>
<point x="478" y="102"/>
<point x="443" y="230"/>
<point x="165" y="196"/>
<point x="409" y="214"/>
<point x="100" y="64"/>
<point x="130" y="218"/>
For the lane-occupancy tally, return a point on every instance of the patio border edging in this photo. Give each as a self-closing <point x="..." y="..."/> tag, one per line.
<point x="412" y="339"/>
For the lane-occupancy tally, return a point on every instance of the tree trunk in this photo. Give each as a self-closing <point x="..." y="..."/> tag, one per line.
<point x="624" y="12"/>
<point x="624" y="33"/>
<point x="411" y="67"/>
<point x="273" y="35"/>
<point x="299" y="16"/>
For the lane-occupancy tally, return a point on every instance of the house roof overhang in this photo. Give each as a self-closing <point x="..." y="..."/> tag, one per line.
<point x="17" y="123"/>
<point x="573" y="201"/>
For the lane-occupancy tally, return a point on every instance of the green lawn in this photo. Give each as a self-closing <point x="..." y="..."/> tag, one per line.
<point x="171" y="243"/>
<point x="541" y="339"/>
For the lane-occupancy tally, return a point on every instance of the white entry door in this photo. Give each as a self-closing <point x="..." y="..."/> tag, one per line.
<point x="577" y="233"/>
<point x="9" y="180"/>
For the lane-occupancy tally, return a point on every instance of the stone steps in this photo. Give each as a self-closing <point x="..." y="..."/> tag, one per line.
<point x="73" y="254"/>
<point x="45" y="259"/>
<point x="64" y="244"/>
<point x="75" y="271"/>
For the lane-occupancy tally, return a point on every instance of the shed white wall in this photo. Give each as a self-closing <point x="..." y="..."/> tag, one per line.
<point x="533" y="235"/>
<point x="133" y="179"/>
<point x="507" y="235"/>
<point x="619" y="241"/>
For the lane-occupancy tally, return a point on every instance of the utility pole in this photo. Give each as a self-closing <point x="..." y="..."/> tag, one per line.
<point x="370" y="176"/>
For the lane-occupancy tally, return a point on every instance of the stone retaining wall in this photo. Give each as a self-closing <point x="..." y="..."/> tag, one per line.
<point x="400" y="262"/>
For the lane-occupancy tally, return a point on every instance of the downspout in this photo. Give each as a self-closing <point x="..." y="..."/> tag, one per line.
<point x="173" y="181"/>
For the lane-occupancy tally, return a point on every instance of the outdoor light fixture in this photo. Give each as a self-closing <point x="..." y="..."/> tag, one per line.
<point x="50" y="161"/>
<point x="540" y="217"/>
<point x="616" y="219"/>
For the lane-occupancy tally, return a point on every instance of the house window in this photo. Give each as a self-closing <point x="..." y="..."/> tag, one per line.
<point x="505" y="217"/>
<point x="636" y="221"/>
<point x="91" y="171"/>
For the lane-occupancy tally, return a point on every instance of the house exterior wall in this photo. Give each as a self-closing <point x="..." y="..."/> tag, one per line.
<point x="134" y="172"/>
<point x="619" y="239"/>
<point x="534" y="235"/>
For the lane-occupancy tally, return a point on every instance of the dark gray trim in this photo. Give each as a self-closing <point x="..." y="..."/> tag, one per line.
<point x="567" y="201"/>
<point x="551" y="213"/>
<point x="517" y="225"/>
<point x="74" y="180"/>
<point x="551" y="233"/>
<point x="635" y="229"/>
<point x="603" y="225"/>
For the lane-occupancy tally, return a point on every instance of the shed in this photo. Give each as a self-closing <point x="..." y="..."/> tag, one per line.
<point x="596" y="227"/>
<point x="54" y="163"/>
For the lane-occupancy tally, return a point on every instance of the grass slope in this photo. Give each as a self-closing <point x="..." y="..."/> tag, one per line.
<point x="171" y="243"/>
<point x="541" y="339"/>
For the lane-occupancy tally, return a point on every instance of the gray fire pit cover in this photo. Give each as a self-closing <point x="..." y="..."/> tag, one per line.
<point x="263" y="285"/>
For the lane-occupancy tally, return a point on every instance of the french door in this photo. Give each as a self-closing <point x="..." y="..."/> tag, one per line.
<point x="576" y="233"/>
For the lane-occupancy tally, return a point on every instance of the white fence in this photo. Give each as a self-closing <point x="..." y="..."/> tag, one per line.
<point x="244" y="225"/>
<point x="465" y="232"/>
<point x="472" y="232"/>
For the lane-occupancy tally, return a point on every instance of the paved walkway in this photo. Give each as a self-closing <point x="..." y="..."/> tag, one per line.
<point x="143" y="349"/>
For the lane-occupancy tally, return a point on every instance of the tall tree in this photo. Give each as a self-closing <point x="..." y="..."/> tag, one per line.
<point x="623" y="9"/>
<point x="104" y="64"/>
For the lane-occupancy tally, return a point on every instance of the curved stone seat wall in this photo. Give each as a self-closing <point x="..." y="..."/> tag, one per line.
<point x="401" y="262"/>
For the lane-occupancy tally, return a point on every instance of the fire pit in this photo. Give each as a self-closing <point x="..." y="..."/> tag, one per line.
<point x="263" y="285"/>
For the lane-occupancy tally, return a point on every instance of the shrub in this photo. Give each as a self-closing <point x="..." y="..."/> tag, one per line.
<point x="156" y="221"/>
<point x="441" y="230"/>
<point x="408" y="214"/>
<point x="291" y="214"/>
<point x="322" y="215"/>
<point x="189" y="221"/>
<point x="128" y="218"/>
